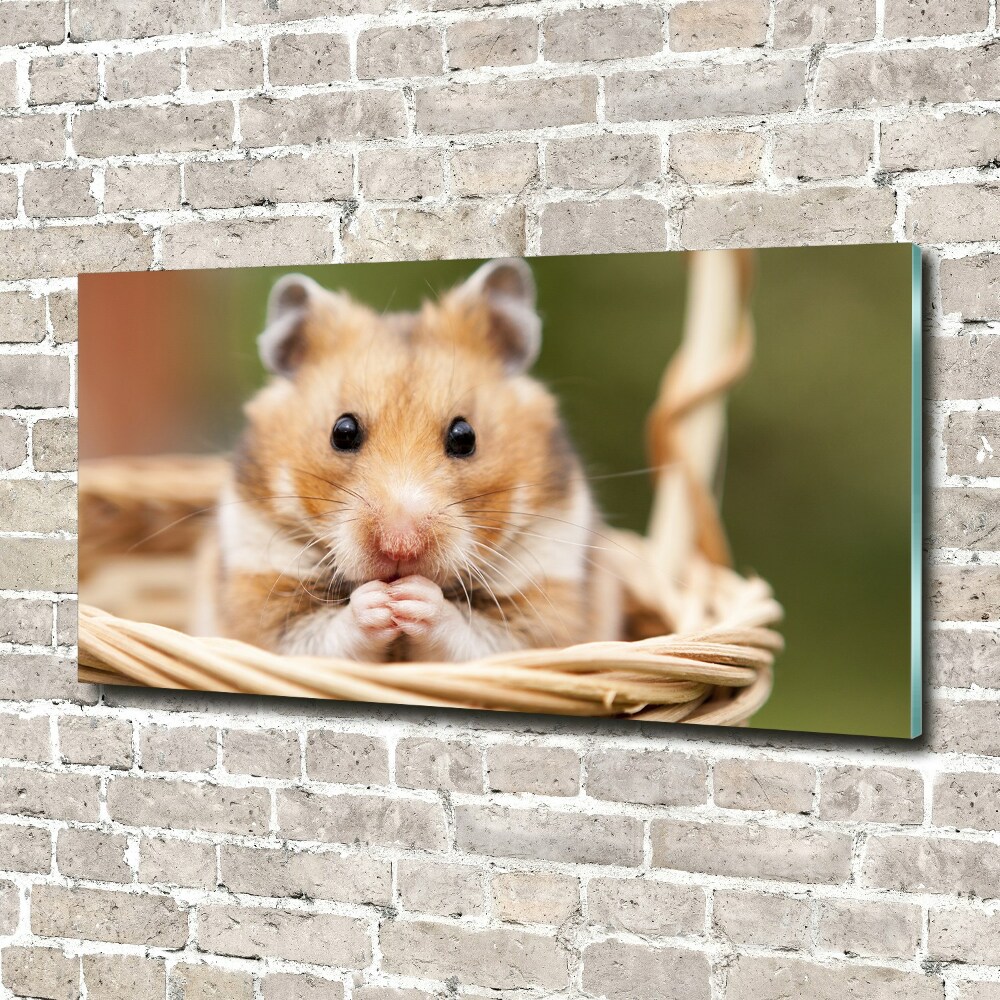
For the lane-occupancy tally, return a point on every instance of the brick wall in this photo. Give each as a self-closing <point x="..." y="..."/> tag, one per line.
<point x="162" y="846"/>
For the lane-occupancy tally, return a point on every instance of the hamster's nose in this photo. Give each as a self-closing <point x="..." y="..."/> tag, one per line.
<point x="401" y="538"/>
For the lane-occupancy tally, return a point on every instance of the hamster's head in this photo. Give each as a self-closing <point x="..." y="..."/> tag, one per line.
<point x="391" y="444"/>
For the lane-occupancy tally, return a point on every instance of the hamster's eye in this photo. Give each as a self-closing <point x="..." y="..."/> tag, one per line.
<point x="346" y="434"/>
<point x="460" y="441"/>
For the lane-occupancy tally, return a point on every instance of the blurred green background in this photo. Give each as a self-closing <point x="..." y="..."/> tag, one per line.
<point x="817" y="476"/>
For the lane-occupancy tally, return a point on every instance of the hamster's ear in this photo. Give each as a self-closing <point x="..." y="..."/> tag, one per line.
<point x="283" y="343"/>
<point x="515" y="329"/>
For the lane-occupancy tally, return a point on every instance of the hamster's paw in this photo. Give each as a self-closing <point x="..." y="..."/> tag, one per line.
<point x="418" y="606"/>
<point x="372" y="614"/>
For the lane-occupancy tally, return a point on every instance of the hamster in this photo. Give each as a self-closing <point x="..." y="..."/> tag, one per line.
<point x="403" y="490"/>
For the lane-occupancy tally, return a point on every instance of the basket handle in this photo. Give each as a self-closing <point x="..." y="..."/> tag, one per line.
<point x="687" y="425"/>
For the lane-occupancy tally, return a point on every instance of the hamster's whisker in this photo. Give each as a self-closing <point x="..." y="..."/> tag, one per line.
<point x="550" y="517"/>
<point x="336" y="486"/>
<point x="524" y="597"/>
<point x="474" y="570"/>
<point x="544" y="538"/>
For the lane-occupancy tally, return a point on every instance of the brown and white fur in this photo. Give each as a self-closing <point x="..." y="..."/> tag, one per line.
<point x="399" y="550"/>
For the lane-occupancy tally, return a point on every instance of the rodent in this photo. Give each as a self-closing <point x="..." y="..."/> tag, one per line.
<point x="403" y="489"/>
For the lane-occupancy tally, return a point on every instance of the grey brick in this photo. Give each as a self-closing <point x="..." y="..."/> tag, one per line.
<point x="871" y="794"/>
<point x="13" y="443"/>
<point x="25" y="849"/>
<point x="906" y="76"/>
<point x="622" y="970"/>
<point x="9" y="97"/>
<point x="29" y="676"/>
<point x="962" y="934"/>
<point x="91" y="19"/>
<point x="38" y="564"/>
<point x="765" y="978"/>
<point x="921" y="18"/>
<point x="517" y="959"/>
<point x="26" y="621"/>
<point x="44" y="973"/>
<point x="264" y="753"/>
<point x="964" y="727"/>
<point x="142" y="187"/>
<point x="662" y="778"/>
<point x="506" y="104"/>
<point x="174" y="128"/>
<point x="348" y="877"/>
<point x="627" y="225"/>
<point x="294" y="60"/>
<point x="104" y="915"/>
<point x="681" y="92"/>
<point x="59" y="251"/>
<point x="8" y="196"/>
<point x="63" y="79"/>
<point x="142" y="74"/>
<point x="963" y="593"/>
<point x="964" y="518"/>
<point x="591" y="35"/>
<point x="645" y="906"/>
<point x="976" y="990"/>
<point x="447" y="890"/>
<point x="168" y="861"/>
<point x="363" y="819"/>
<point x="40" y="22"/>
<point x="808" y="22"/>
<point x="967" y="800"/>
<point x="535" y="897"/>
<point x="972" y="443"/>
<point x="347" y="758"/>
<point x="961" y="658"/>
<point x="508" y="41"/>
<point x="33" y="138"/>
<point x="449" y="765"/>
<point x="178" y="748"/>
<point x="953" y="213"/>
<point x="93" y="854"/>
<point x="932" y="864"/>
<point x="603" y="161"/>
<point x="823" y="152"/>
<point x="182" y="805"/>
<point x="297" y="986"/>
<point x="813" y="215"/>
<point x="66" y="627"/>
<point x="751" y="850"/>
<point x="318" y="177"/>
<point x="718" y="24"/>
<point x="411" y="50"/>
<point x="536" y="769"/>
<point x="293" y="935"/>
<point x="784" y="786"/>
<point x="59" y="193"/>
<point x="462" y="231"/>
<point x="41" y="505"/>
<point x="359" y="114"/>
<point x="233" y="66"/>
<point x="548" y="835"/>
<point x="115" y="977"/>
<point x="248" y="242"/>
<point x="10" y="908"/>
<point x="934" y="142"/>
<point x="971" y="286"/>
<point x="762" y="919"/>
<point x="22" y="320"/>
<point x="266" y="12"/>
<point x="25" y="737"/>
<point x="869" y="928"/>
<point x="54" y="444"/>
<point x="63" y="315"/>
<point x="963" y="367"/>
<point x="207" y="982"/>
<point x="401" y="174"/>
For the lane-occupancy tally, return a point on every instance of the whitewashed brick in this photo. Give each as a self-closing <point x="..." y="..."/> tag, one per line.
<point x="142" y="74"/>
<point x="90" y="739"/>
<point x="872" y="929"/>
<point x="169" y="861"/>
<point x="935" y="142"/>
<point x="602" y="161"/>
<point x="263" y="753"/>
<point x="535" y="897"/>
<point x="235" y="66"/>
<point x="627" y="225"/>
<point x="347" y="758"/>
<point x="33" y="21"/>
<point x="539" y="770"/>
<point x="699" y="25"/>
<point x="644" y="906"/>
<point x="508" y="41"/>
<point x="142" y="187"/>
<point x="871" y="795"/>
<point x="41" y="972"/>
<point x="63" y="79"/>
<point x="485" y="170"/>
<point x="716" y="157"/>
<point x="784" y="786"/>
<point x="622" y="970"/>
<point x="594" y="34"/>
<point x="414" y="50"/>
<point x="920" y="18"/>
<point x="762" y="919"/>
<point x="807" y="22"/>
<point x="401" y="174"/>
<point x="318" y="57"/>
<point x="360" y="114"/>
<point x="823" y="152"/>
<point x="92" y="19"/>
<point x="60" y="193"/>
<point x="248" y="243"/>
<point x="441" y="889"/>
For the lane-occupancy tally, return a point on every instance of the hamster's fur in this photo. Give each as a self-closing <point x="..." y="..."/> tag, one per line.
<point x="406" y="547"/>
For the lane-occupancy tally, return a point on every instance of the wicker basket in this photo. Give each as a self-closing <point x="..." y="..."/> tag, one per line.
<point x="699" y="647"/>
